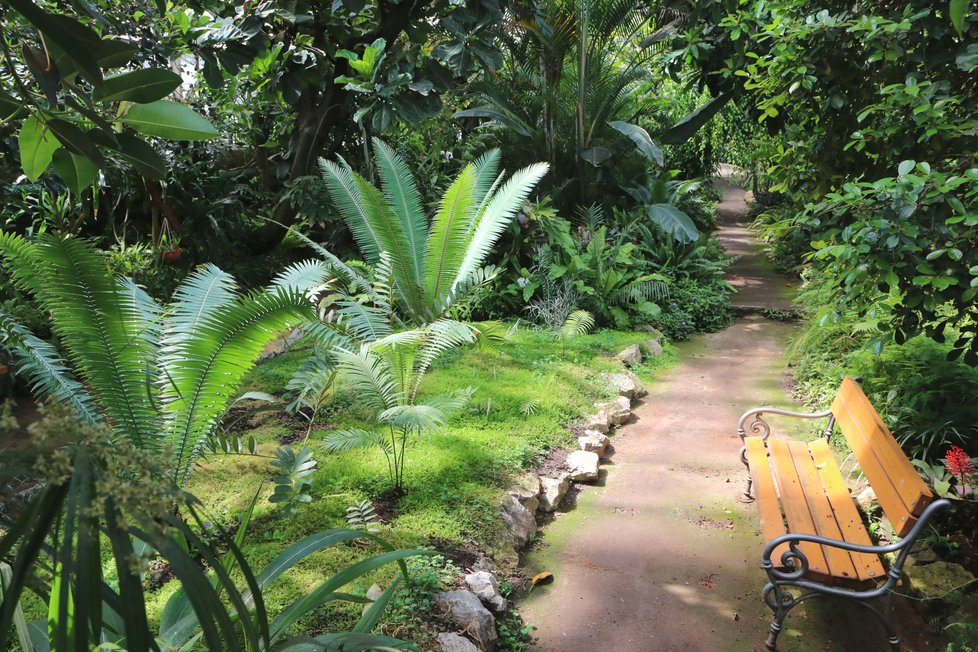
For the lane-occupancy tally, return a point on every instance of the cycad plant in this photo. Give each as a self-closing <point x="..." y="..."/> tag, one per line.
<point x="382" y="329"/>
<point x="160" y="377"/>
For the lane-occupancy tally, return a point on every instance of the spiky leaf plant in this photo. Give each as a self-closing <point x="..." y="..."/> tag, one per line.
<point x="159" y="376"/>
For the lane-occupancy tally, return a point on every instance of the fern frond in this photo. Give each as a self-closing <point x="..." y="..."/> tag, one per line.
<point x="639" y="290"/>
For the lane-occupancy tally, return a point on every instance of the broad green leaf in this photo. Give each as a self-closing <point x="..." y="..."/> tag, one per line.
<point x="37" y="146"/>
<point x="170" y="120"/>
<point x="78" y="172"/>
<point x="9" y="106"/>
<point x="684" y="129"/>
<point x="143" y="86"/>
<point x="75" y="39"/>
<point x="141" y="156"/>
<point x="958" y="10"/>
<point x="74" y="140"/>
<point x="596" y="155"/>
<point x="673" y="221"/>
<point x="643" y="142"/>
<point x="906" y="167"/>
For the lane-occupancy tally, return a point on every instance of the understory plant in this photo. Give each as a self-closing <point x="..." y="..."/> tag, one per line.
<point x="108" y="500"/>
<point x="381" y="324"/>
<point x="159" y="377"/>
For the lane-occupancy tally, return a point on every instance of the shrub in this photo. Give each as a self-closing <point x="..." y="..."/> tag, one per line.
<point x="695" y="307"/>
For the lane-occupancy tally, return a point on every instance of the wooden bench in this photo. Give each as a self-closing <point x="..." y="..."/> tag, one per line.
<point x="816" y="539"/>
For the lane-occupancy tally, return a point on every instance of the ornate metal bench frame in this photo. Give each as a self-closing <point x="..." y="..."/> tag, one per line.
<point x="795" y="563"/>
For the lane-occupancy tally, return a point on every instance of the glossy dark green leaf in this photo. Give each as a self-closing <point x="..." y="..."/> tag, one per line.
<point x="958" y="10"/>
<point x="75" y="140"/>
<point x="673" y="221"/>
<point x="169" y="120"/>
<point x="141" y="156"/>
<point x="78" y="172"/>
<point x="9" y="107"/>
<point x="684" y="129"/>
<point x="643" y="142"/>
<point x="37" y="145"/>
<point x="143" y="86"/>
<point x="73" y="38"/>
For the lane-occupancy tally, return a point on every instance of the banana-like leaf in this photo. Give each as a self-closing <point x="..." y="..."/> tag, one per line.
<point x="673" y="221"/>
<point x="683" y="130"/>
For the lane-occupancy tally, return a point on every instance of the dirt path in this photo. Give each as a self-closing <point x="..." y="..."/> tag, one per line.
<point x="662" y="555"/>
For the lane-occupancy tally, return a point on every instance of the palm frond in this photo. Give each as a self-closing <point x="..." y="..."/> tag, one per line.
<point x="580" y="322"/>
<point x="401" y="192"/>
<point x="202" y="374"/>
<point x="369" y="376"/>
<point x="347" y="440"/>
<point x="497" y="215"/>
<point x="47" y="374"/>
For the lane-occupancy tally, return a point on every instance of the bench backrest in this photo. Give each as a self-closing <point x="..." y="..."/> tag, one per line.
<point x="899" y="488"/>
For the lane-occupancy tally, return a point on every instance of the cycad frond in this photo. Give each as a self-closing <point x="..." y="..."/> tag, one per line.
<point x="310" y="382"/>
<point x="100" y="330"/>
<point x="352" y="279"/>
<point x="365" y="323"/>
<point x="497" y="215"/>
<point x="343" y="190"/>
<point x="203" y="373"/>
<point x="307" y="277"/>
<point x="413" y="417"/>
<point x="440" y="336"/>
<point x="401" y="192"/>
<point x="47" y="373"/>
<point x="449" y="235"/>
<point x="383" y="285"/>
<point x="486" y="173"/>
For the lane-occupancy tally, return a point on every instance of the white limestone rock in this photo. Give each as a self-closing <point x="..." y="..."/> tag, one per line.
<point x="583" y="466"/>
<point x="485" y="587"/>
<point x="630" y="355"/>
<point x="553" y="490"/>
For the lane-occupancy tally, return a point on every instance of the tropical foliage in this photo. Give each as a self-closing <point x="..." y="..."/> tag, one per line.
<point x="159" y="377"/>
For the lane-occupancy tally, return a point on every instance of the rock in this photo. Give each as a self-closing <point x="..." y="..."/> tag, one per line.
<point x="373" y="593"/>
<point x="465" y="611"/>
<point x="451" y="642"/>
<point x="486" y="588"/>
<point x="583" y="466"/>
<point x="525" y="490"/>
<point x="640" y="390"/>
<point x="652" y="348"/>
<point x="654" y="332"/>
<point x="553" y="490"/>
<point x="618" y="411"/>
<point x="622" y="384"/>
<point x="593" y="442"/>
<point x="631" y="355"/>
<point x="519" y="520"/>
<point x="866" y="500"/>
<point x="599" y="421"/>
<point x="939" y="584"/>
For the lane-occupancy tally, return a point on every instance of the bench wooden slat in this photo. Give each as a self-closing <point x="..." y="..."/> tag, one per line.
<point x="795" y="505"/>
<point x="823" y="517"/>
<point x="899" y="488"/>
<point x="772" y="520"/>
<point x="846" y="515"/>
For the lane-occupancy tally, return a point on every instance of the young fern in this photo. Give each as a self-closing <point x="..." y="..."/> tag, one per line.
<point x="580" y="322"/>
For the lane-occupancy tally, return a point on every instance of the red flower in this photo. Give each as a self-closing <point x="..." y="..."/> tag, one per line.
<point x="959" y="464"/>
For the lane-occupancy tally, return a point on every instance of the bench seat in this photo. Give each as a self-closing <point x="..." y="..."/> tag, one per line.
<point x="799" y="488"/>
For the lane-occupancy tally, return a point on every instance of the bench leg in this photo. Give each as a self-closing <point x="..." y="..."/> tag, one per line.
<point x="780" y="602"/>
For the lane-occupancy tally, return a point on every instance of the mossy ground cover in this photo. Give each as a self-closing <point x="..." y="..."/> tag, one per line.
<point x="525" y="392"/>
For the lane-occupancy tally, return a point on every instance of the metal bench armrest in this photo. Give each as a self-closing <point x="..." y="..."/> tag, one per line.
<point x="795" y="559"/>
<point x="758" y="426"/>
